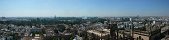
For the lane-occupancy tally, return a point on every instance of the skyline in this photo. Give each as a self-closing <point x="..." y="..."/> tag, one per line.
<point x="66" y="8"/>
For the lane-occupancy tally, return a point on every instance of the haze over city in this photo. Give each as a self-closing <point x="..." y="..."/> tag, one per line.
<point x="69" y="8"/>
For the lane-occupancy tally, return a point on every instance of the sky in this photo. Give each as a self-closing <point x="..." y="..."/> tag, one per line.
<point x="75" y="8"/>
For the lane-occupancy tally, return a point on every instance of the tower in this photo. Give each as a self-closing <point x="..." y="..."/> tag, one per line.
<point x="113" y="28"/>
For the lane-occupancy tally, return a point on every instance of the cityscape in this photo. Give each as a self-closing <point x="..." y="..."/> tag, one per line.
<point x="84" y="20"/>
<point x="84" y="28"/>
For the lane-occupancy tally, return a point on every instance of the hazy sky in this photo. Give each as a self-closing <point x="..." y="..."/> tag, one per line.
<point x="48" y="8"/>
